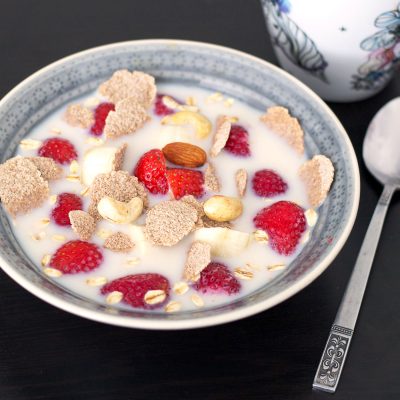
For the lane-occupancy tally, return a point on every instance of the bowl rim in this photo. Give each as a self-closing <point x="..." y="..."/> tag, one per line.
<point x="231" y="315"/>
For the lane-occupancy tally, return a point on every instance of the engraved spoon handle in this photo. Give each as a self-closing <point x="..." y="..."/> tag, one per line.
<point x="337" y="346"/>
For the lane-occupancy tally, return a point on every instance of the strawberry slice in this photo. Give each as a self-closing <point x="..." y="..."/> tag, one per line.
<point x="284" y="222"/>
<point x="267" y="183"/>
<point x="76" y="256"/>
<point x="135" y="287"/>
<point x="100" y="116"/>
<point x="238" y="142"/>
<point x="185" y="181"/>
<point x="66" y="202"/>
<point x="217" y="278"/>
<point x="60" y="150"/>
<point x="151" y="170"/>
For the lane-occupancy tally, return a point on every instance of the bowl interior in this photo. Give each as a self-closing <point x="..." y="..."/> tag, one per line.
<point x="236" y="74"/>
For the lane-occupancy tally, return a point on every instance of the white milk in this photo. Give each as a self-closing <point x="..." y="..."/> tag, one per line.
<point x="268" y="151"/>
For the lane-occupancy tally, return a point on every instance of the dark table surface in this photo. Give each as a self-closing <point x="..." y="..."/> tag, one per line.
<point x="46" y="353"/>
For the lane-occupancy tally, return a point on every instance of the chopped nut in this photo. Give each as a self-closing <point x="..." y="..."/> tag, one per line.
<point x="241" y="181"/>
<point x="114" y="297"/>
<point x="180" y="288"/>
<point x="305" y="238"/>
<point x="52" y="272"/>
<point x="45" y="260"/>
<point x="280" y="122"/>
<point x="243" y="273"/>
<point x="56" y="131"/>
<point x="98" y="281"/>
<point x="199" y="256"/>
<point x="223" y="128"/>
<point x="261" y="236"/>
<point x="311" y="216"/>
<point x="119" y="212"/>
<point x="253" y="266"/>
<point x="211" y="181"/>
<point x="173" y="306"/>
<point x="275" y="267"/>
<point x="200" y="123"/>
<point x="155" y="296"/>
<point x="197" y="300"/>
<point x="79" y="116"/>
<point x="29" y="144"/>
<point x="223" y="208"/>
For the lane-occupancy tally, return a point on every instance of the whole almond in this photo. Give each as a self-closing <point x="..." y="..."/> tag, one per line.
<point x="185" y="154"/>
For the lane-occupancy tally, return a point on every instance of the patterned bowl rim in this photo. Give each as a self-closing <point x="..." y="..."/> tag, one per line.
<point x="230" y="315"/>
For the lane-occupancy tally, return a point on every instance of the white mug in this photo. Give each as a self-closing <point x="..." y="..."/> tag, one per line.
<point x="345" y="50"/>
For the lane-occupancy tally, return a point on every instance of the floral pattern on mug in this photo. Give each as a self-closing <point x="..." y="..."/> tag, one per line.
<point x="384" y="56"/>
<point x="292" y="40"/>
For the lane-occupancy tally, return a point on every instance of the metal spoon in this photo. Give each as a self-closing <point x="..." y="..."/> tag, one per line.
<point x="381" y="153"/>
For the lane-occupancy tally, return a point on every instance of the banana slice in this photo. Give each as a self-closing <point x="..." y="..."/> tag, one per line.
<point x="119" y="212"/>
<point x="136" y="233"/>
<point x="99" y="160"/>
<point x="200" y="123"/>
<point x="224" y="242"/>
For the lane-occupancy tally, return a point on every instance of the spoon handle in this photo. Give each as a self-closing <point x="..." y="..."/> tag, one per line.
<point x="337" y="346"/>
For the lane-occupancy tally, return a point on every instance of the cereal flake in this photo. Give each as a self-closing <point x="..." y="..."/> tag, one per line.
<point x="317" y="175"/>
<point x="222" y="130"/>
<point x="168" y="222"/>
<point x="82" y="223"/>
<point x="49" y="169"/>
<point x="199" y="256"/>
<point x="79" y="116"/>
<point x="128" y="117"/>
<point x="119" y="242"/>
<point x="241" y="181"/>
<point x="125" y="84"/>
<point x="22" y="187"/>
<point x="279" y="121"/>
<point x="211" y="181"/>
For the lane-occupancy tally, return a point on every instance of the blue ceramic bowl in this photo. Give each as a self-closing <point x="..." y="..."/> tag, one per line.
<point x="217" y="68"/>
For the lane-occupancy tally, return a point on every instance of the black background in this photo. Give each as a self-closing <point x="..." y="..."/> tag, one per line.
<point x="46" y="353"/>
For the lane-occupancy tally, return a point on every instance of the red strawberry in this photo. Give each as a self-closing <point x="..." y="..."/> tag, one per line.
<point x="267" y="183"/>
<point x="60" y="150"/>
<point x="216" y="278"/>
<point x="76" y="256"/>
<point x="238" y="141"/>
<point x="284" y="222"/>
<point x="185" y="181"/>
<point x="100" y="115"/>
<point x="134" y="288"/>
<point x="160" y="108"/>
<point x="66" y="202"/>
<point x="152" y="171"/>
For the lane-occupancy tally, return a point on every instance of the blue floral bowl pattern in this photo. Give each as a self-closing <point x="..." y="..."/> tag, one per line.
<point x="237" y="74"/>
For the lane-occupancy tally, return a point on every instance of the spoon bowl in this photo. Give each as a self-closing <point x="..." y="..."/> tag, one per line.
<point x="381" y="149"/>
